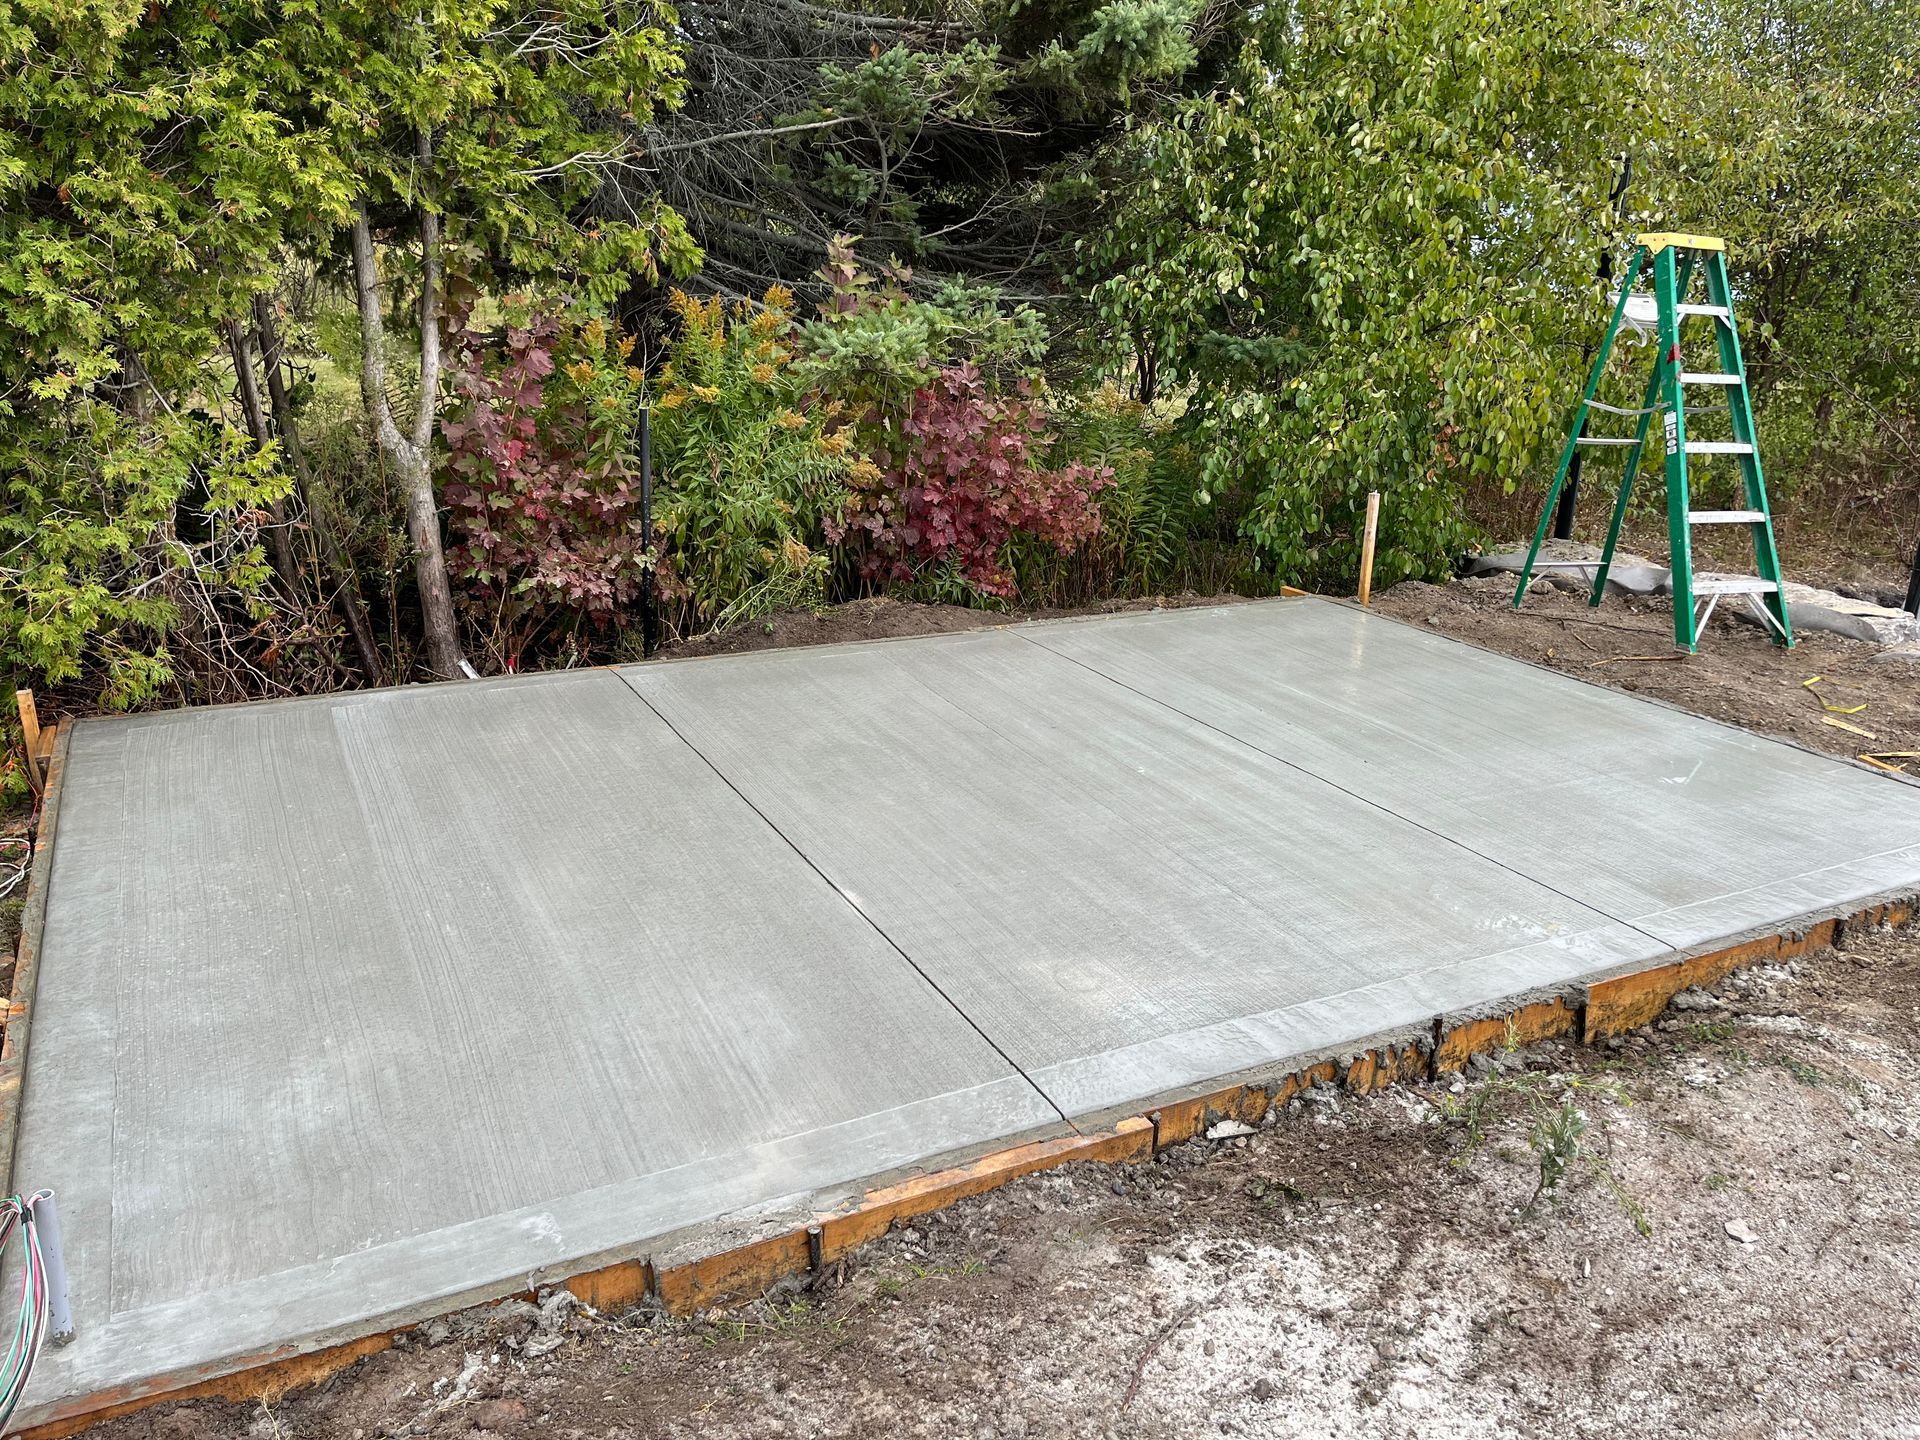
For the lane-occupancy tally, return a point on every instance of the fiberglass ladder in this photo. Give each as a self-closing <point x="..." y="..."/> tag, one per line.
<point x="1673" y="258"/>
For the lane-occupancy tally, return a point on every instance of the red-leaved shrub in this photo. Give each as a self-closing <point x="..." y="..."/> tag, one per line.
<point x="543" y="499"/>
<point x="971" y="473"/>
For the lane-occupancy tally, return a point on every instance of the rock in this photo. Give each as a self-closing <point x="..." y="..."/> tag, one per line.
<point x="1740" y="1230"/>
<point x="1860" y="1372"/>
<point x="1228" y="1130"/>
<point x="1264" y="1389"/>
<point x="1695" y="999"/>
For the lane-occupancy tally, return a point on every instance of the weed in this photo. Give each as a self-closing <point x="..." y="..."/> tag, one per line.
<point x="1557" y="1125"/>
<point x="1806" y="1074"/>
<point x="1718" y="1180"/>
<point x="1710" y="1032"/>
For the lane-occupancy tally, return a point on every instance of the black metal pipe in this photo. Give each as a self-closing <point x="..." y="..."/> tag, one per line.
<point x="1913" y="585"/>
<point x="646" y="528"/>
<point x="1570" y="492"/>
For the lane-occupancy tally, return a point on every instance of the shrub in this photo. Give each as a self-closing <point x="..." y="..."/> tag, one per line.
<point x="544" y="498"/>
<point x="750" y="475"/>
<point x="970" y="472"/>
<point x="874" y="341"/>
<point x="1154" y="536"/>
<point x="118" y="536"/>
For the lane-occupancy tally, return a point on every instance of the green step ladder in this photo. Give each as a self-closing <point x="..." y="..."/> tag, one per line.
<point x="1673" y="260"/>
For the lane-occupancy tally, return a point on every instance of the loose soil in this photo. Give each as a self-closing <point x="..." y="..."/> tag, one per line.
<point x="1734" y="1252"/>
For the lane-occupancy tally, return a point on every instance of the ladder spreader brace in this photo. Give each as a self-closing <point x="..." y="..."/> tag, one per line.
<point x="1673" y="259"/>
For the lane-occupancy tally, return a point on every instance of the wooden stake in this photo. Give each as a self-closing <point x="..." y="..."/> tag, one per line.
<point x="30" y="737"/>
<point x="1366" y="546"/>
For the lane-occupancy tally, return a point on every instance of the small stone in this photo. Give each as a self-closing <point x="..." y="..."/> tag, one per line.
<point x="1264" y="1389"/>
<point x="1209" y="1347"/>
<point x="1860" y="1372"/>
<point x="1228" y="1130"/>
<point x="1743" y="1232"/>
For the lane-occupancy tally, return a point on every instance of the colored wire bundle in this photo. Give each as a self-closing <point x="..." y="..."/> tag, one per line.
<point x="31" y="1328"/>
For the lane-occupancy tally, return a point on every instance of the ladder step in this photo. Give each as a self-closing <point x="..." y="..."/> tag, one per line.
<point x="1718" y="312"/>
<point x="1718" y="447"/>
<point x="1698" y="377"/>
<point x="1726" y="517"/>
<point x="1607" y="440"/>
<point x="1735" y="585"/>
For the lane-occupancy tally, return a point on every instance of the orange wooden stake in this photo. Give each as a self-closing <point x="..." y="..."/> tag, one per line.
<point x="1367" y="538"/>
<point x="30" y="737"/>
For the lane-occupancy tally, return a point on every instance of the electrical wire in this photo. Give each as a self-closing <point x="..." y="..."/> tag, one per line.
<point x="20" y="866"/>
<point x="30" y="1329"/>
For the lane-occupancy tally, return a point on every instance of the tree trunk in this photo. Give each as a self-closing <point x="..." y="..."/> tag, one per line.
<point x="279" y="542"/>
<point x="411" y="456"/>
<point x="336" y="571"/>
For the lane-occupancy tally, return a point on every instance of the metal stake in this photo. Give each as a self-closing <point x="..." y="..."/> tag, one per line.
<point x="646" y="526"/>
<point x="45" y="1216"/>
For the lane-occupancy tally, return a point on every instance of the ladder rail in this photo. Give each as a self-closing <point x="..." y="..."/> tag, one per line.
<point x="1579" y="426"/>
<point x="1766" y="554"/>
<point x="1686" y="620"/>
<point x="1648" y="405"/>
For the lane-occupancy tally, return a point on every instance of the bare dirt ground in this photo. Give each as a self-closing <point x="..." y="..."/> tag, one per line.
<point x="1734" y="1250"/>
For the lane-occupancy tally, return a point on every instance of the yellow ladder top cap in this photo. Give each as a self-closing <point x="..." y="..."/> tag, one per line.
<point x="1661" y="239"/>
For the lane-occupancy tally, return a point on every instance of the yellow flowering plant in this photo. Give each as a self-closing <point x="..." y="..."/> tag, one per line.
<point x="747" y="477"/>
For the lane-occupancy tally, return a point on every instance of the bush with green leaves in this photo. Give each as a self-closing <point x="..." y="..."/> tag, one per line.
<point x="875" y="340"/>
<point x="1359" y="260"/>
<point x="114" y="535"/>
<point x="750" y="469"/>
<point x="1154" y="536"/>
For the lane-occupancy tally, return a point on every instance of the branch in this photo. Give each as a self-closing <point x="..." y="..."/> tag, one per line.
<point x="425" y="410"/>
<point x="373" y="334"/>
<point x="704" y="141"/>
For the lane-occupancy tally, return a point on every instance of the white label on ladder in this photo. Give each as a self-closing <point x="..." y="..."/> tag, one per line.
<point x="1673" y="433"/>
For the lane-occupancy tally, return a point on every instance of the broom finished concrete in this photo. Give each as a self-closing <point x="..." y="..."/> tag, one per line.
<point x="354" y="1009"/>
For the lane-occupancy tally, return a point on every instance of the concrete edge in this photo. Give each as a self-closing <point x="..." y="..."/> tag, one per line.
<point x="26" y="969"/>
<point x="1590" y="1010"/>
<point x="352" y="693"/>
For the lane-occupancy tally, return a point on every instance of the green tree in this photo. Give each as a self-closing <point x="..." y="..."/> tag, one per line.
<point x="159" y="162"/>
<point x="143" y="189"/>
<point x="1804" y="152"/>
<point x="1364" y="261"/>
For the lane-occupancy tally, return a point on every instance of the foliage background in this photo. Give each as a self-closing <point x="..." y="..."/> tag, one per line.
<point x="1223" y="267"/>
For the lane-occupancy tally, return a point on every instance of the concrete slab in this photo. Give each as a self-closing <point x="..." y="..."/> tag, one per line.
<point x="1127" y="901"/>
<point x="1686" y="829"/>
<point x="351" y="1006"/>
<point x="355" y="1009"/>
